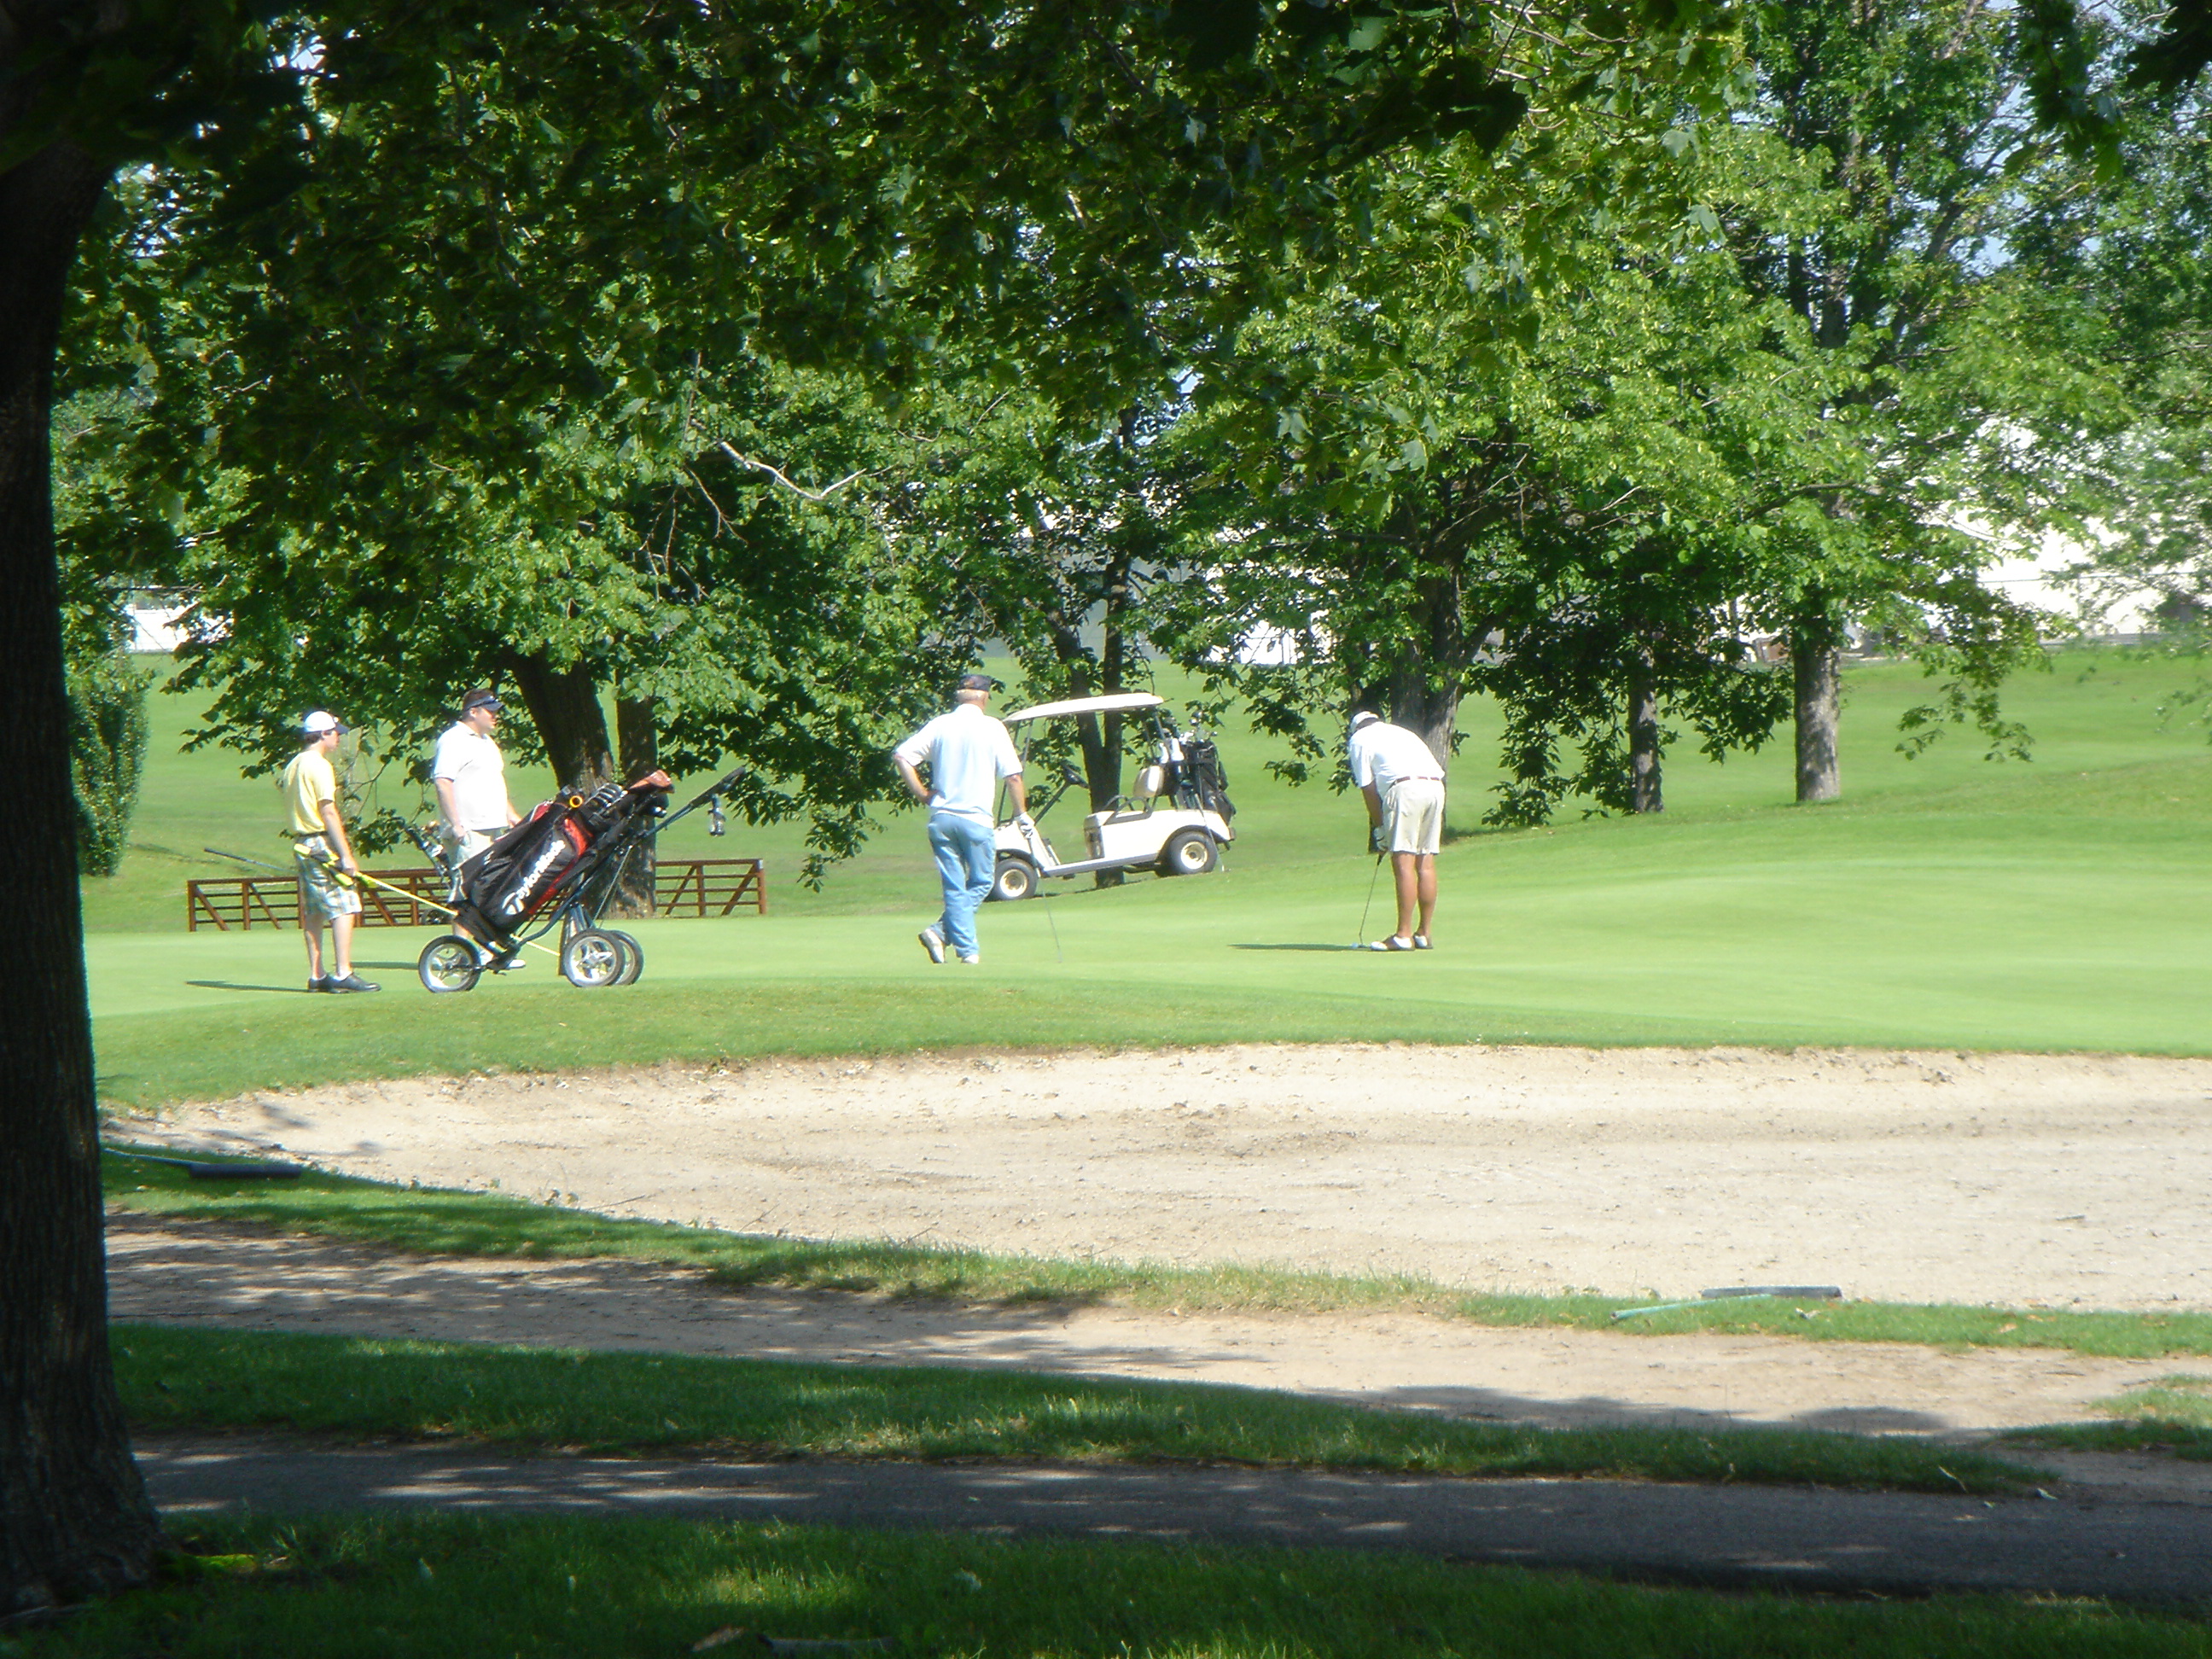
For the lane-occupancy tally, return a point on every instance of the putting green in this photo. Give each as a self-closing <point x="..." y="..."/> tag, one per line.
<point x="1947" y="903"/>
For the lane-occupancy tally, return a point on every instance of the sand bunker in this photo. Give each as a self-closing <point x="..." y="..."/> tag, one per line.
<point x="1911" y="1176"/>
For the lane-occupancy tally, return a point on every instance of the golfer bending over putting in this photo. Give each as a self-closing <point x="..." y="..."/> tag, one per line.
<point x="967" y="753"/>
<point x="1405" y="791"/>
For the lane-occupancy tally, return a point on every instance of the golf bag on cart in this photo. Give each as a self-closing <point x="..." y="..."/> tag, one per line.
<point x="1195" y="775"/>
<point x="503" y="885"/>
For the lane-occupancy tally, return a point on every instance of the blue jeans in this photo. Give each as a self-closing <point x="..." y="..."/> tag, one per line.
<point x="967" y="863"/>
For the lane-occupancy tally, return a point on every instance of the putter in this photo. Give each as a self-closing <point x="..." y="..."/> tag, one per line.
<point x="1369" y="905"/>
<point x="1057" y="956"/>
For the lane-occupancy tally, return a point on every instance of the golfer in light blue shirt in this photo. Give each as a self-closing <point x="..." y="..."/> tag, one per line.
<point x="967" y="752"/>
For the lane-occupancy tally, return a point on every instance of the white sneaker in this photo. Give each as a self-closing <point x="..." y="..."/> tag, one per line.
<point x="972" y="962"/>
<point x="934" y="942"/>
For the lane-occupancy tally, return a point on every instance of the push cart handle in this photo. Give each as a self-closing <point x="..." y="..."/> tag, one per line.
<point x="720" y="787"/>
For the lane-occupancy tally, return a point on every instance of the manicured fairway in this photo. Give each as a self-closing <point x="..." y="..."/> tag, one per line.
<point x="1947" y="902"/>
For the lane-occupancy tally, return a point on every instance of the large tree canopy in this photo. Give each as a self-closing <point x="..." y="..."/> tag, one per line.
<point x="849" y="183"/>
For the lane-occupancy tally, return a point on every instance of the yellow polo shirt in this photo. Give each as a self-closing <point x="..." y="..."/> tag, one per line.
<point x="307" y="782"/>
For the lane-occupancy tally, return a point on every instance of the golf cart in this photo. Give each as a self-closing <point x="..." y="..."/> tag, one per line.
<point x="1176" y="821"/>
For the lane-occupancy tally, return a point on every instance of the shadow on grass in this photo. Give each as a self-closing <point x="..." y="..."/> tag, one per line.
<point x="175" y="1380"/>
<point x="441" y="1222"/>
<point x="1297" y="947"/>
<point x="472" y="1583"/>
<point x="2189" y="1441"/>
<point x="232" y="985"/>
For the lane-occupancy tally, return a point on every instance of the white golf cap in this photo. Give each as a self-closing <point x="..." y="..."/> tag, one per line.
<point x="1365" y="717"/>
<point x="320" y="721"/>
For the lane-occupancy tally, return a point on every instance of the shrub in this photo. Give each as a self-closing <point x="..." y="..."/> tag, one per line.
<point x="107" y="752"/>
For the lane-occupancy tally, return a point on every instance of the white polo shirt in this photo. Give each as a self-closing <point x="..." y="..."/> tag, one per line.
<point x="967" y="752"/>
<point x="1383" y="754"/>
<point x="472" y="763"/>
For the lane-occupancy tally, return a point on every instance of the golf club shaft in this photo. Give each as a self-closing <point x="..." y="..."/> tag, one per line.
<point x="1369" y="905"/>
<point x="241" y="858"/>
<point x="364" y="875"/>
<point x="358" y="875"/>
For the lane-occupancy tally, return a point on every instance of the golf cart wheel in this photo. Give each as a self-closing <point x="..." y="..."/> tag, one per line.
<point x="591" y="959"/>
<point x="633" y="955"/>
<point x="1188" y="853"/>
<point x="450" y="963"/>
<point x="1016" y="877"/>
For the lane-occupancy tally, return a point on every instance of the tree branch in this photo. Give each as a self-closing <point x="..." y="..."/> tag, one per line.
<point x="817" y="496"/>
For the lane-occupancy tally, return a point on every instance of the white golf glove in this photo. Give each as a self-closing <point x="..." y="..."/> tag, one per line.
<point x="1024" y="823"/>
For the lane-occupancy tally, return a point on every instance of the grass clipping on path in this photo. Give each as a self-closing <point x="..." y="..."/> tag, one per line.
<point x="432" y="1221"/>
<point x="469" y="1584"/>
<point x="534" y="1398"/>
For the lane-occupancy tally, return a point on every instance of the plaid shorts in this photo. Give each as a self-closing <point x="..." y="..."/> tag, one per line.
<point x="321" y="899"/>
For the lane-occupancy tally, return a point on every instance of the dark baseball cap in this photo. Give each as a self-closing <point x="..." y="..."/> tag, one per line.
<point x="978" y="682"/>
<point x="483" y="697"/>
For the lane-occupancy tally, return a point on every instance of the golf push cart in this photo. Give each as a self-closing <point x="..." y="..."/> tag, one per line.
<point x="560" y="867"/>
<point x="1176" y="821"/>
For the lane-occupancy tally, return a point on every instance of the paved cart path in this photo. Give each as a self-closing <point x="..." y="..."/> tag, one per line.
<point x="1734" y="1536"/>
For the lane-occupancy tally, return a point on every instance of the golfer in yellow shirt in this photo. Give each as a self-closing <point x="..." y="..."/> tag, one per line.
<point x="310" y="789"/>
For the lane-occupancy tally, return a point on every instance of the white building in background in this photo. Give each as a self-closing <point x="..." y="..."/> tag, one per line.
<point x="153" y="618"/>
<point x="1270" y="646"/>
<point x="2052" y="577"/>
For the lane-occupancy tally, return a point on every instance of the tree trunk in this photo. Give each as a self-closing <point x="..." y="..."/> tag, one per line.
<point x="1815" y="661"/>
<point x="75" y="1521"/>
<point x="1100" y="740"/>
<point x="1102" y="754"/>
<point x="1643" y="793"/>
<point x="1431" y="713"/>
<point x="564" y="706"/>
<point x="1422" y="688"/>
<point x="1113" y="667"/>
<point x="638" y="738"/>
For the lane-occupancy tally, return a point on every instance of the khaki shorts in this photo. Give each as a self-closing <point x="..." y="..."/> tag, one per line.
<point x="321" y="899"/>
<point x="1414" y="814"/>
<point x="461" y="847"/>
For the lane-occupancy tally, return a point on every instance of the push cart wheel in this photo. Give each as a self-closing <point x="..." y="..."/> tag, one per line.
<point x="1188" y="853"/>
<point x="590" y="958"/>
<point x="633" y="956"/>
<point x="1016" y="877"/>
<point x="450" y="963"/>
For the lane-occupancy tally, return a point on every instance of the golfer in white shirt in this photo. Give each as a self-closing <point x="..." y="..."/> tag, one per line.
<point x="470" y="777"/>
<point x="1404" y="789"/>
<point x="967" y="753"/>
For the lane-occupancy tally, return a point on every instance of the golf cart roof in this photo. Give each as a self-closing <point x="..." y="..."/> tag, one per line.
<point x="1119" y="700"/>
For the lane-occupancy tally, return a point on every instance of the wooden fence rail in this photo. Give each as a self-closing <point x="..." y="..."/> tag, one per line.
<point x="681" y="887"/>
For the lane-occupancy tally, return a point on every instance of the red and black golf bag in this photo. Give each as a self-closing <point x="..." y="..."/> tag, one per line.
<point x="551" y="852"/>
